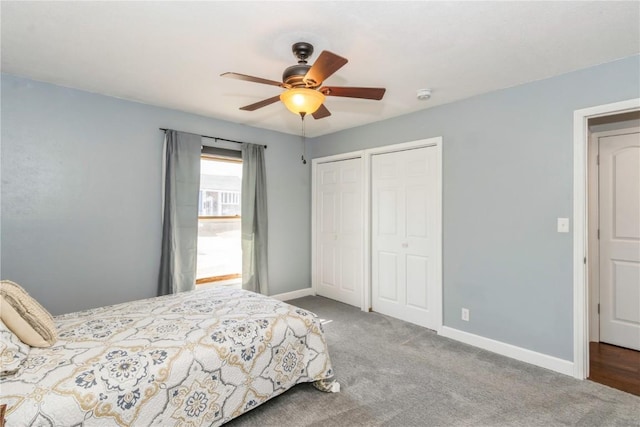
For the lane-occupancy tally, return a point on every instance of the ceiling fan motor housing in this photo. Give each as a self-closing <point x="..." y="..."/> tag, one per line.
<point x="294" y="74"/>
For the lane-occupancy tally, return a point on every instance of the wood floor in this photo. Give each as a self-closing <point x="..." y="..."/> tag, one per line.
<point x="614" y="366"/>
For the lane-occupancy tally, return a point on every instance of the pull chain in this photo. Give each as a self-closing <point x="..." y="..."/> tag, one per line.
<point x="304" y="143"/>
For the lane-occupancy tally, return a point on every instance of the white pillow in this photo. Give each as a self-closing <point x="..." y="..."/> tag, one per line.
<point x="12" y="351"/>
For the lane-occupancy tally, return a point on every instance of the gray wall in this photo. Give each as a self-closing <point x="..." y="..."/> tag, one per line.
<point x="81" y="195"/>
<point x="507" y="176"/>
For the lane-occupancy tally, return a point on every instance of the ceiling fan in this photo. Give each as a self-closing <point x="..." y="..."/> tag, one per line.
<point x="304" y="92"/>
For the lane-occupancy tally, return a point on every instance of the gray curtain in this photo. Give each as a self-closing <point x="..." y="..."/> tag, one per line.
<point x="254" y="220"/>
<point x="180" y="212"/>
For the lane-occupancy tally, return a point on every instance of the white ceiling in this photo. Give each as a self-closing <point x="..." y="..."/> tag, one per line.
<point x="171" y="54"/>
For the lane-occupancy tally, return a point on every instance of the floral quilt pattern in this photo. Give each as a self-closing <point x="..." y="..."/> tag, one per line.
<point x="194" y="359"/>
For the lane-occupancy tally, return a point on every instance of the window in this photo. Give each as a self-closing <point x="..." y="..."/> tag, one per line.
<point x="219" y="244"/>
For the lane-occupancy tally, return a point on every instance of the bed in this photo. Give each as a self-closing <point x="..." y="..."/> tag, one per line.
<point x="198" y="358"/>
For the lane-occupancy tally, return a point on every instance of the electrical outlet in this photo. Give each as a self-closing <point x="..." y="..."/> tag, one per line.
<point x="465" y="314"/>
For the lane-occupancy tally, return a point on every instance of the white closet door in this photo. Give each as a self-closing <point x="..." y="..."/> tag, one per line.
<point x="404" y="244"/>
<point x="339" y="231"/>
<point x="619" y="188"/>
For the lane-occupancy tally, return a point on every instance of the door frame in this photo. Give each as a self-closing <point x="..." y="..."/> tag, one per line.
<point x="314" y="203"/>
<point x="435" y="142"/>
<point x="581" y="262"/>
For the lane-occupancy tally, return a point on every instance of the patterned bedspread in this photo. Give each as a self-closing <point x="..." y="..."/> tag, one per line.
<point x="198" y="358"/>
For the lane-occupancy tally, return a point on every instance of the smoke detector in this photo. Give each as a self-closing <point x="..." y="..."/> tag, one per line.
<point x="423" y="94"/>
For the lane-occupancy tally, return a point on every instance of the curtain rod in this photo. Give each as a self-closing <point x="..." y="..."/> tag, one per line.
<point x="214" y="138"/>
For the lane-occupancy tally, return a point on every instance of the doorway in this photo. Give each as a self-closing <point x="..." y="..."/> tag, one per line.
<point x="614" y="250"/>
<point x="582" y="247"/>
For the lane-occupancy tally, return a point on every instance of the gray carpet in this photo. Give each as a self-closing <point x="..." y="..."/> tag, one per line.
<point x="397" y="374"/>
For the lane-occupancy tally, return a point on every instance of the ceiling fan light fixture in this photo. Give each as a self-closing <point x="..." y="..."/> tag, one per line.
<point x="302" y="101"/>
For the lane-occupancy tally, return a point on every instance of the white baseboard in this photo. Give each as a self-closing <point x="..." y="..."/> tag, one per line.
<point x="522" y="354"/>
<point x="294" y="294"/>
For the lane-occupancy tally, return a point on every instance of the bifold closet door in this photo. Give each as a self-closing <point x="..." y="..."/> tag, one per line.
<point x="339" y="231"/>
<point x="403" y="244"/>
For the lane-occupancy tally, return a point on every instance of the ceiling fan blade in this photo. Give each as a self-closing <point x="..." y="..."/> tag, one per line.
<point x="321" y="112"/>
<point x="326" y="64"/>
<point x="246" y="78"/>
<point x="261" y="104"/>
<point x="354" y="92"/>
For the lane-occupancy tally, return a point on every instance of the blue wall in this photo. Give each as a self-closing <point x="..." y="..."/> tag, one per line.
<point x="81" y="195"/>
<point x="507" y="177"/>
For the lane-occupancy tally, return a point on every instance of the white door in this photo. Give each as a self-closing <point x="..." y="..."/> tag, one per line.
<point x="339" y="231"/>
<point x="619" y="200"/>
<point x="404" y="245"/>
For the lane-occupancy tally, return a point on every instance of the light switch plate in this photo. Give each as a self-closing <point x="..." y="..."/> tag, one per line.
<point x="563" y="225"/>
